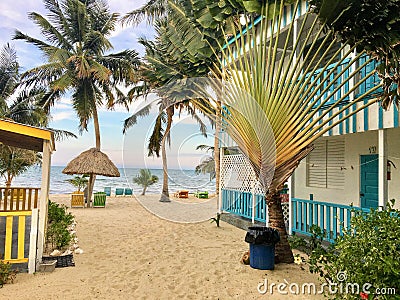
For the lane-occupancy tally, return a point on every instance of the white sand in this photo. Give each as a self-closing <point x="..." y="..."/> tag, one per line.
<point x="132" y="254"/>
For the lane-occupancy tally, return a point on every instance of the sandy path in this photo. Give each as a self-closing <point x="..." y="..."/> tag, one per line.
<point x="132" y="254"/>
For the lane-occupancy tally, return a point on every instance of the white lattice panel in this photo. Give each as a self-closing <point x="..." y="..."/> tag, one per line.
<point x="237" y="174"/>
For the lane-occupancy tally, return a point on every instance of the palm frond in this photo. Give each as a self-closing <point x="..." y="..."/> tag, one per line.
<point x="152" y="10"/>
<point x="132" y="120"/>
<point x="276" y="109"/>
<point x="61" y="135"/>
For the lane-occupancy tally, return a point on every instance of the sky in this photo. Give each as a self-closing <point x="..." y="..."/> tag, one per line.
<point x="127" y="150"/>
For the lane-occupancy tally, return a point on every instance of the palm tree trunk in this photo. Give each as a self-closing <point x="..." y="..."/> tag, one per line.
<point x="276" y="220"/>
<point x="96" y="127"/>
<point x="90" y="188"/>
<point x="216" y="146"/>
<point x="9" y="180"/>
<point x="165" y="191"/>
<point x="92" y="177"/>
<point x="144" y="190"/>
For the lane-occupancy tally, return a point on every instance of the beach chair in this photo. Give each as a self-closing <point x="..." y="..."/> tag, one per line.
<point x="182" y="194"/>
<point x="128" y="192"/>
<point x="99" y="199"/>
<point x="107" y="190"/>
<point x="119" y="192"/>
<point x="201" y="194"/>
<point x="77" y="199"/>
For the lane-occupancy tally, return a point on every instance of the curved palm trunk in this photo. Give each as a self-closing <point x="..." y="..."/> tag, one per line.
<point x="283" y="252"/>
<point x="9" y="180"/>
<point x="144" y="190"/>
<point x="165" y="191"/>
<point x="216" y="146"/>
<point x="92" y="177"/>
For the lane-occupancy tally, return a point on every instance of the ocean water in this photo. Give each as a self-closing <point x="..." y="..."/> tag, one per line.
<point x="178" y="179"/>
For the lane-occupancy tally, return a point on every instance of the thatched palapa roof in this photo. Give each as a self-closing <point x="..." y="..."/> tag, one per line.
<point x="92" y="161"/>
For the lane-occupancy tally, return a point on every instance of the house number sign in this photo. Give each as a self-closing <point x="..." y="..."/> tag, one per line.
<point x="372" y="150"/>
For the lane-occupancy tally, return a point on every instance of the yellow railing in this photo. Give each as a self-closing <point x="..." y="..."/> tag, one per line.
<point x="18" y="198"/>
<point x="6" y="252"/>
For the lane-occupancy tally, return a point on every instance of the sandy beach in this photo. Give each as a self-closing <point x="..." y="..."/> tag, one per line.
<point x="130" y="253"/>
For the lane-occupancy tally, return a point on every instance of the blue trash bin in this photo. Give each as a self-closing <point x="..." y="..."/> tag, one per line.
<point x="262" y="242"/>
<point x="262" y="257"/>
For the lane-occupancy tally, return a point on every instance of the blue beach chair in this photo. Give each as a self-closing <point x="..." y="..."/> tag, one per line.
<point x="128" y="192"/>
<point x="119" y="192"/>
<point x="107" y="190"/>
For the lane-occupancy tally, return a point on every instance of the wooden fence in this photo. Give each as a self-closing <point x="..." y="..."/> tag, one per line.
<point x="18" y="199"/>
<point x="18" y="236"/>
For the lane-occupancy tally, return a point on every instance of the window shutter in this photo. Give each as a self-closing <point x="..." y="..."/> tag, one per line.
<point x="325" y="164"/>
<point x="317" y="165"/>
<point x="335" y="164"/>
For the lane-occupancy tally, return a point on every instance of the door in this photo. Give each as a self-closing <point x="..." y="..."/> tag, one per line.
<point x="369" y="181"/>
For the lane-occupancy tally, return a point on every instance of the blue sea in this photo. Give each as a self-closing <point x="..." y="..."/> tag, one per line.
<point x="178" y="179"/>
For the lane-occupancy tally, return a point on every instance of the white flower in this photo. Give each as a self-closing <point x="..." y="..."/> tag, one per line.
<point x="297" y="260"/>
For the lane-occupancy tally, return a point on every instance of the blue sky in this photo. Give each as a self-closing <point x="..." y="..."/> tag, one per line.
<point x="128" y="150"/>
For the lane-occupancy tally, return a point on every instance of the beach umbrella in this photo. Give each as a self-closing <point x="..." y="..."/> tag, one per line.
<point x="92" y="162"/>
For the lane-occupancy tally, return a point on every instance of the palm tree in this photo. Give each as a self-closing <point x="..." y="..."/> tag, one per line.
<point x="194" y="29"/>
<point x="80" y="182"/>
<point x="277" y="111"/>
<point x="15" y="161"/>
<point x="75" y="44"/>
<point x="207" y="166"/>
<point x="22" y="106"/>
<point x="163" y="70"/>
<point x="145" y="179"/>
<point x="152" y="10"/>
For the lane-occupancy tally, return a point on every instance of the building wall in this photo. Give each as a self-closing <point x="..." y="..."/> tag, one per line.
<point x="356" y="144"/>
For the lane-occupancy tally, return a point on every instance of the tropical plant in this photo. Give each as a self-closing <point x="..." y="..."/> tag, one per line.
<point x="152" y="10"/>
<point x="59" y="219"/>
<point x="216" y="219"/>
<point x="145" y="179"/>
<point x="364" y="260"/>
<point x="75" y="44"/>
<point x="275" y="109"/>
<point x="15" y="161"/>
<point x="20" y="105"/>
<point x="165" y="74"/>
<point x="80" y="182"/>
<point x="193" y="29"/>
<point x="7" y="275"/>
<point x="207" y="166"/>
<point x="373" y="26"/>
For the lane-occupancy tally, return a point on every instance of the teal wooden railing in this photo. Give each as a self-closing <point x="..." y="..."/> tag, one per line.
<point x="329" y="80"/>
<point x="241" y="204"/>
<point x="330" y="217"/>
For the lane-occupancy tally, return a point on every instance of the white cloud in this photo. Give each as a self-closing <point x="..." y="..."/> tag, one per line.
<point x="63" y="115"/>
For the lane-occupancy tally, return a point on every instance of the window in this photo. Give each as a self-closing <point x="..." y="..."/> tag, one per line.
<point x="325" y="164"/>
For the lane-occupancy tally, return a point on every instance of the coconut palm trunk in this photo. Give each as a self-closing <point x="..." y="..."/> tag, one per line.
<point x="144" y="190"/>
<point x="165" y="191"/>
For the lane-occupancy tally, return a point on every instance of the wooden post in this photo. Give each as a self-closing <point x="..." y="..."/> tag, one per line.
<point x="33" y="242"/>
<point x="43" y="204"/>
<point x="219" y="204"/>
<point x="291" y="196"/>
<point x="253" y="196"/>
<point x="382" y="173"/>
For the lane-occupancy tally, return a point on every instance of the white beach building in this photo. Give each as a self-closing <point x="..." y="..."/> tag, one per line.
<point x="356" y="163"/>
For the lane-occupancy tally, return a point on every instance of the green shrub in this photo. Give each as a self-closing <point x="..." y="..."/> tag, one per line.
<point x="368" y="254"/>
<point x="6" y="274"/>
<point x="59" y="220"/>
